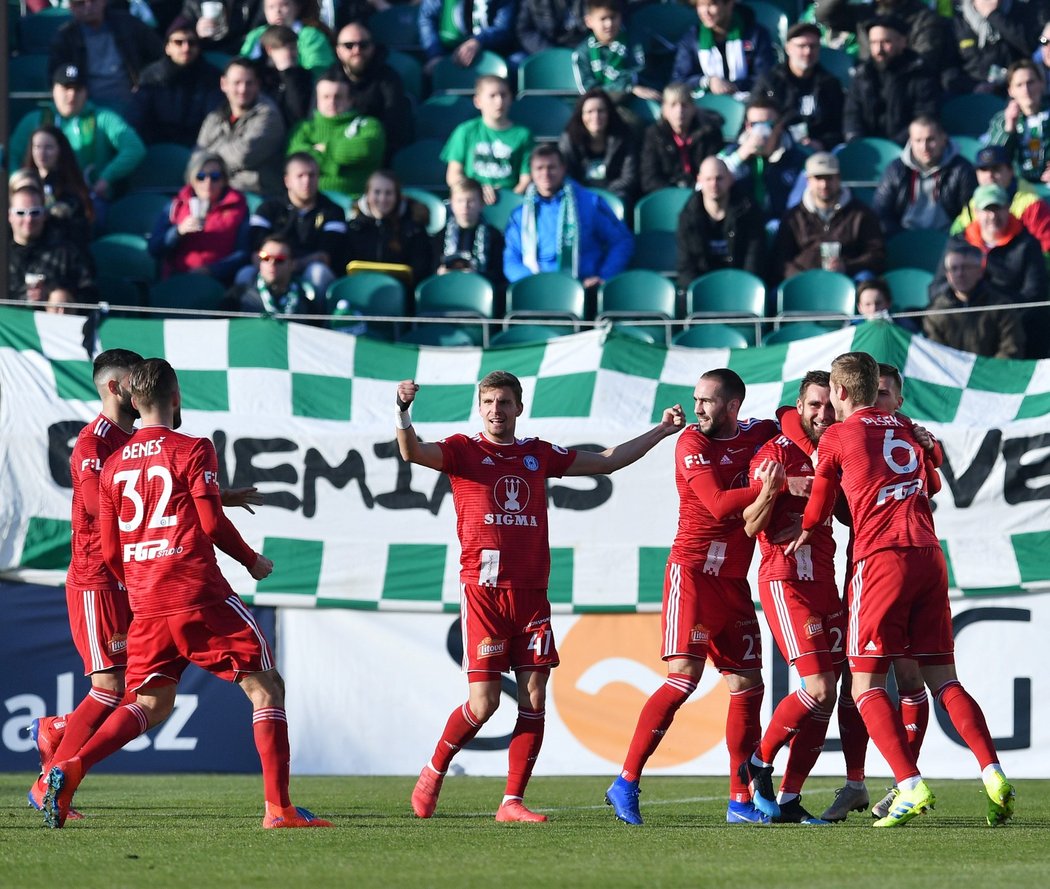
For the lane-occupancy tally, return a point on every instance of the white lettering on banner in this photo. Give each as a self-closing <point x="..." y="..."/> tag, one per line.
<point x="167" y="737"/>
<point x="27" y="707"/>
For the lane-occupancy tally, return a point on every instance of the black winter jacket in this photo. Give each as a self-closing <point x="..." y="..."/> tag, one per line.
<point x="745" y="234"/>
<point x="884" y="102"/>
<point x="816" y="101"/>
<point x="137" y="43"/>
<point x="173" y="100"/>
<point x="661" y="163"/>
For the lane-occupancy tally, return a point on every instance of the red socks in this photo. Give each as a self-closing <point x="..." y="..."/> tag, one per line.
<point x="524" y="748"/>
<point x="915" y="714"/>
<point x="887" y="731"/>
<point x="968" y="720"/>
<point x="82" y="723"/>
<point x="854" y="738"/>
<point x="123" y="725"/>
<point x="743" y="732"/>
<point x="654" y="721"/>
<point x="798" y="719"/>
<point x="270" y="727"/>
<point x="460" y="729"/>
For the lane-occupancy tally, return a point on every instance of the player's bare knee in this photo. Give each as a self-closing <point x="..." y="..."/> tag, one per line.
<point x="110" y="680"/>
<point x="821" y="687"/>
<point x="265" y="689"/>
<point x="157" y="703"/>
<point x="687" y="666"/>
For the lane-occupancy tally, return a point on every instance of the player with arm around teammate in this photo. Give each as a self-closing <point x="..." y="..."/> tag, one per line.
<point x="898" y="602"/>
<point x="97" y="603"/>
<point x="707" y="606"/>
<point x="800" y="599"/>
<point x="499" y="492"/>
<point x="160" y="517"/>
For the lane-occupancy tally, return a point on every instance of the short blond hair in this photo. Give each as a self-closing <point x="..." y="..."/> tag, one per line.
<point x="858" y="374"/>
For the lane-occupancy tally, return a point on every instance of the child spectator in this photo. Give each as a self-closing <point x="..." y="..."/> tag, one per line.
<point x="467" y="243"/>
<point x="284" y="80"/>
<point x="491" y="148"/>
<point x="348" y="146"/>
<point x="607" y="58"/>
<point x="315" y="49"/>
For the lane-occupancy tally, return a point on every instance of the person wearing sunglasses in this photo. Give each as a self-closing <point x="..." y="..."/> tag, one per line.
<point x="42" y="265"/>
<point x="111" y="47"/>
<point x="205" y="227"/>
<point x="177" y="91"/>
<point x="106" y="146"/>
<point x="276" y="290"/>
<point x="376" y="88"/>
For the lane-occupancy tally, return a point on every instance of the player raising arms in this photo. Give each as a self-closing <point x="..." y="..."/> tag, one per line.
<point x="799" y="599"/>
<point x="499" y="492"/>
<point x="707" y="607"/>
<point x="899" y="584"/>
<point x="160" y="517"/>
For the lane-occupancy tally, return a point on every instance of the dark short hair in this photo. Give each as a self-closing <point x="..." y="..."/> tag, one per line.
<point x="277" y="238"/>
<point x="300" y="157"/>
<point x="729" y="383"/>
<point x="1023" y="65"/>
<point x="814" y="378"/>
<point x="241" y="62"/>
<point x="276" y="36"/>
<point x="891" y="22"/>
<point x="876" y="284"/>
<point x="152" y="381"/>
<point x="547" y="149"/>
<point x="888" y="370"/>
<point x="619" y="6"/>
<point x="113" y="359"/>
<point x="501" y="379"/>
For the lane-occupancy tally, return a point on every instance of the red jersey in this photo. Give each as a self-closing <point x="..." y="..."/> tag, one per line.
<point x="883" y="475"/>
<point x="711" y="475"/>
<point x="500" y="495"/>
<point x="151" y="497"/>
<point x="815" y="560"/>
<point x="96" y="441"/>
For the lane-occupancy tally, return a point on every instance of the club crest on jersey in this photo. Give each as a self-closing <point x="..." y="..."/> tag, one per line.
<point x="699" y="635"/>
<point x="813" y="626"/>
<point x="489" y="647"/>
<point x="531" y="463"/>
<point x="511" y="494"/>
<point x="117" y="642"/>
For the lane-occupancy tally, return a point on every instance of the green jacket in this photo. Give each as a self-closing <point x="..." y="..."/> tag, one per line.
<point x="354" y="145"/>
<point x="106" y="145"/>
<point x="315" y="52"/>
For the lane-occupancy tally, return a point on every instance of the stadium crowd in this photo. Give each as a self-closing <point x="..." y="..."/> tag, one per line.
<point x="277" y="149"/>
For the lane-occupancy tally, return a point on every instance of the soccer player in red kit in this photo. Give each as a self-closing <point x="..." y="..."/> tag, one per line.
<point x="707" y="607"/>
<point x="499" y="492"/>
<point x="898" y="602"/>
<point x="799" y="599"/>
<point x="98" y="605"/>
<point x="160" y="517"/>
<point x="913" y="702"/>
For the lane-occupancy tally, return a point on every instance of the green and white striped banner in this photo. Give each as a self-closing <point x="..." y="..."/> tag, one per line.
<point x="307" y="416"/>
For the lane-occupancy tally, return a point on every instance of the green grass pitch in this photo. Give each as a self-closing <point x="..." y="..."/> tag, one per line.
<point x="203" y="831"/>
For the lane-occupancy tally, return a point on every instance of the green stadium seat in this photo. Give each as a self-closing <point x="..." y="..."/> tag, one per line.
<point x="549" y="71"/>
<point x="498" y="214"/>
<point x="36" y="31"/>
<point x="711" y="336"/>
<point x="795" y="330"/>
<point x="658" y="211"/>
<point x="450" y="77"/>
<point x="438" y="212"/>
<point x="916" y="249"/>
<point x="409" y="70"/>
<point x="369" y="293"/>
<point x="666" y="22"/>
<point x="656" y="251"/>
<point x="728" y="293"/>
<point x="118" y="291"/>
<point x="910" y="288"/>
<point x="460" y="294"/>
<point x="438" y="116"/>
<point x="188" y="291"/>
<point x="773" y="18"/>
<point x="124" y="256"/>
<point x="29" y="74"/>
<point x="970" y="114"/>
<point x="162" y="169"/>
<point x="838" y="62"/>
<point x="731" y="111"/>
<point x="547" y="295"/>
<point x="397" y="27"/>
<point x="865" y="160"/>
<point x="545" y="116"/>
<point x="615" y="202"/>
<point x="136" y="213"/>
<point x="444" y="335"/>
<point x="639" y="295"/>
<point x="419" y="165"/>
<point x="817" y="292"/>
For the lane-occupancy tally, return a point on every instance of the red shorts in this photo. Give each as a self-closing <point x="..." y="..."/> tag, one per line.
<point x="506" y="629"/>
<point x="706" y="616"/>
<point x="808" y="622"/>
<point x="223" y="639"/>
<point x="899" y="608"/>
<point x="99" y="620"/>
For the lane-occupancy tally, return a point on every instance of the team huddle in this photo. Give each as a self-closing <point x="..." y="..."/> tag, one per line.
<point x="146" y="597"/>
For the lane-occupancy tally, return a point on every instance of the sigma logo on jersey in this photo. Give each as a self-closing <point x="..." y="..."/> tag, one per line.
<point x="813" y="626"/>
<point x="899" y="491"/>
<point x="699" y="635"/>
<point x="489" y="647"/>
<point x="139" y="449"/>
<point x="146" y="550"/>
<point x="511" y="494"/>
